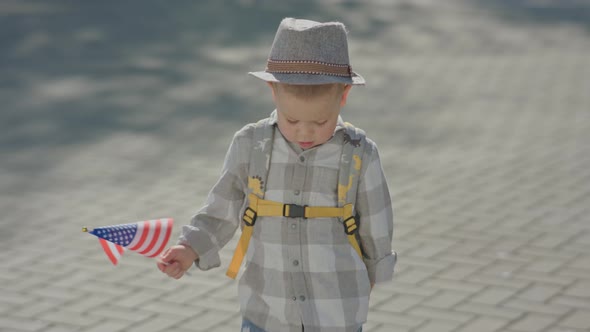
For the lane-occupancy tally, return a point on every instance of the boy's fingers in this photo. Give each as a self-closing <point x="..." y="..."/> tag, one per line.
<point x="162" y="266"/>
<point x="169" y="262"/>
<point x="169" y="268"/>
<point x="173" y="270"/>
<point x="165" y="256"/>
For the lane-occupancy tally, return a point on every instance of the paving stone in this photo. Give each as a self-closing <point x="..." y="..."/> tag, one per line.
<point x="416" y="275"/>
<point x="378" y="297"/>
<point x="506" y="281"/>
<point x="370" y="326"/>
<point x="493" y="295"/>
<point x="551" y="241"/>
<point x="121" y="313"/>
<point x="503" y="268"/>
<point x="139" y="298"/>
<point x="488" y="310"/>
<point x="400" y="303"/>
<point x="484" y="324"/>
<point x="389" y="327"/>
<point x="545" y="278"/>
<point x="427" y="264"/>
<point x="446" y="299"/>
<point x="440" y="314"/>
<point x="431" y="248"/>
<point x="552" y="308"/>
<point x="405" y="288"/>
<point x="217" y="304"/>
<point x="60" y="328"/>
<point x="21" y="324"/>
<point x="459" y="271"/>
<point x="110" y="325"/>
<point x="559" y="328"/>
<point x="579" y="319"/>
<point x="384" y="317"/>
<point x="70" y="318"/>
<point x="154" y="324"/>
<point x="173" y="308"/>
<point x="28" y="282"/>
<point x="539" y="292"/>
<point x="533" y="323"/>
<point x="34" y="309"/>
<point x="5" y="307"/>
<point x="573" y="272"/>
<point x="460" y="286"/>
<point x="207" y="321"/>
<point x="437" y="326"/>
<point x="57" y="293"/>
<point x="465" y="259"/>
<point x="579" y="289"/>
<point x="16" y="298"/>
<point x="570" y="301"/>
<point x="89" y="303"/>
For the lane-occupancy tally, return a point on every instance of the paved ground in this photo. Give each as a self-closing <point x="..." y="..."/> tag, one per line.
<point x="113" y="113"/>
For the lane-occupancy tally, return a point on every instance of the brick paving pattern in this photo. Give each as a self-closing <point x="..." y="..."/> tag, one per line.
<point x="481" y="111"/>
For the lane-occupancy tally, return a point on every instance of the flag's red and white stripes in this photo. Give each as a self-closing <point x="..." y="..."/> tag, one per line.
<point x="151" y="237"/>
<point x="113" y="251"/>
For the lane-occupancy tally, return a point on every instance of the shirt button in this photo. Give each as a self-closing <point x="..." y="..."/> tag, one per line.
<point x="302" y="159"/>
<point x="297" y="192"/>
<point x="293" y="226"/>
<point x="302" y="298"/>
<point x="295" y="262"/>
<point x="294" y="298"/>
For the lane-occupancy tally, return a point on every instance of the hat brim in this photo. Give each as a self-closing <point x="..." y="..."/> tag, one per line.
<point x="308" y="79"/>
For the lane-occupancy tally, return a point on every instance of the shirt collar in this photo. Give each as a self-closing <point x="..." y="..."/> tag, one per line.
<point x="339" y="124"/>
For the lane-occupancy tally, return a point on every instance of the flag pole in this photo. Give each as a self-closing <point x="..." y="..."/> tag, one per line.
<point x="84" y="229"/>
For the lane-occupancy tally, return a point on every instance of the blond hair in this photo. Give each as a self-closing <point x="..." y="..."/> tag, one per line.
<point x="309" y="91"/>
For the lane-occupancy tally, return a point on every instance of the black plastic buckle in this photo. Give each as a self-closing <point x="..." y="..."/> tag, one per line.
<point x="350" y="229"/>
<point x="249" y="216"/>
<point x="295" y="211"/>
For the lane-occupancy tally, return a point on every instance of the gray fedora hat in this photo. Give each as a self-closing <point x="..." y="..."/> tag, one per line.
<point x="308" y="52"/>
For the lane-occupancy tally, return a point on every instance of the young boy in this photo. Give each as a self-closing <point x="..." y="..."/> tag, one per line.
<point x="310" y="264"/>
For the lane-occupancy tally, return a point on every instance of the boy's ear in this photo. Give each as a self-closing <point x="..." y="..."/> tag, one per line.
<point x="345" y="95"/>
<point x="272" y="88"/>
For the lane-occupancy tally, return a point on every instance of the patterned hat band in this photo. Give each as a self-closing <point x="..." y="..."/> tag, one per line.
<point x="308" y="67"/>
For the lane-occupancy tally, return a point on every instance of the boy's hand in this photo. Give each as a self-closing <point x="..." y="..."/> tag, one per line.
<point x="176" y="260"/>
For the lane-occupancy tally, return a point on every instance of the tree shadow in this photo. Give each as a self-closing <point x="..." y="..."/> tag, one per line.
<point x="576" y="12"/>
<point x="66" y="66"/>
<point x="86" y="66"/>
<point x="73" y="72"/>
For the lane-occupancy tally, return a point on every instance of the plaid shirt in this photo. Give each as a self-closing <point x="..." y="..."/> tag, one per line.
<point x="299" y="271"/>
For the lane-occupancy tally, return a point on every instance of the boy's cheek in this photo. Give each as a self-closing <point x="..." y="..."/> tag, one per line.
<point x="286" y="131"/>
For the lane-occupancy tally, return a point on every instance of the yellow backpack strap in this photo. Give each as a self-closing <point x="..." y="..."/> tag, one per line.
<point x="257" y="173"/>
<point x="348" y="176"/>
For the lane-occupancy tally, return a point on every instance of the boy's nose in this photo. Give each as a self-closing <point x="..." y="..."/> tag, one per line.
<point x="305" y="132"/>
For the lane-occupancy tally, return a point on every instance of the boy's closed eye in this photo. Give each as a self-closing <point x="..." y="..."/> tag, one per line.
<point x="319" y="123"/>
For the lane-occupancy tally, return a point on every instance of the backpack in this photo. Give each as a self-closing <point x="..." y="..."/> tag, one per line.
<point x="348" y="175"/>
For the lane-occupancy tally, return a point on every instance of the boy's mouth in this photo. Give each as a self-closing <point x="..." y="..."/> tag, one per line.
<point x="305" y="145"/>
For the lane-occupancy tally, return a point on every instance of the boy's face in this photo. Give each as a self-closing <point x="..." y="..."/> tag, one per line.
<point x="308" y="121"/>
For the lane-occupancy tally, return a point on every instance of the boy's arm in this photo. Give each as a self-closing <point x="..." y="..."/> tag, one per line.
<point x="216" y="222"/>
<point x="373" y="203"/>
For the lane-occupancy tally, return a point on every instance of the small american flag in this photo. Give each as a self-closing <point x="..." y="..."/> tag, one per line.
<point x="147" y="238"/>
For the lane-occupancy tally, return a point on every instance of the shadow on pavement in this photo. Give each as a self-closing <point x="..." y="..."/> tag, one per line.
<point x="576" y="12"/>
